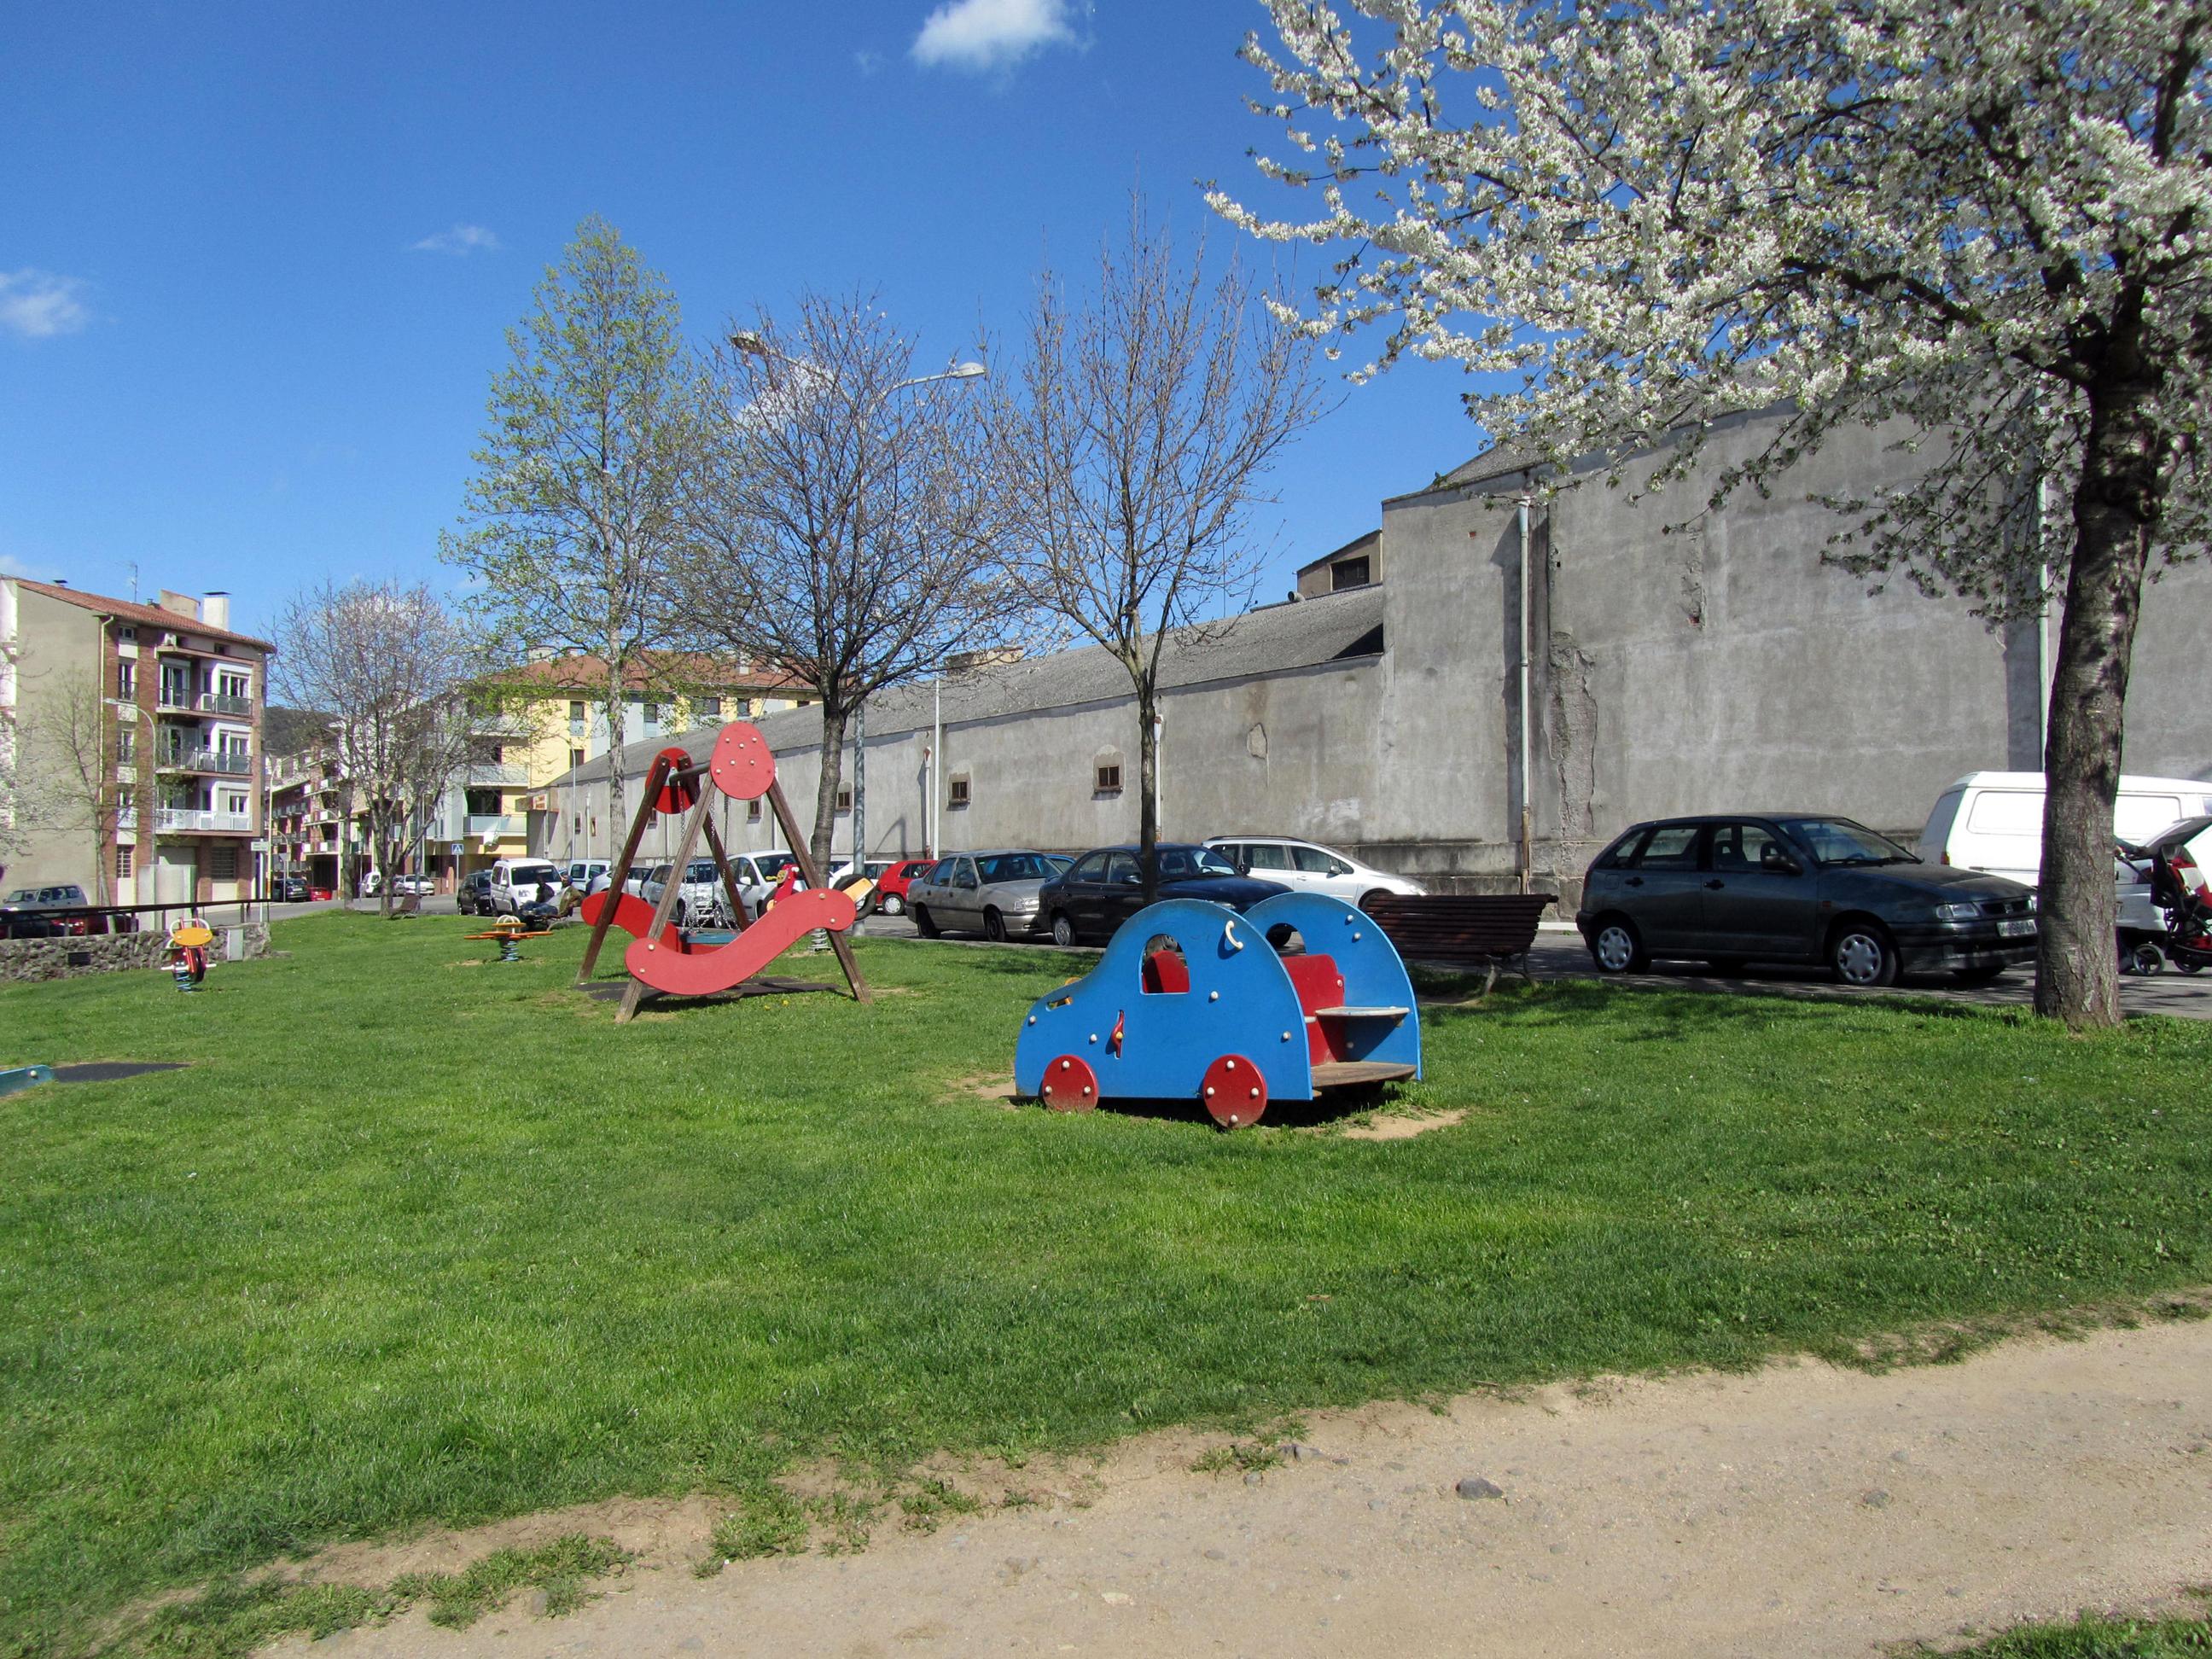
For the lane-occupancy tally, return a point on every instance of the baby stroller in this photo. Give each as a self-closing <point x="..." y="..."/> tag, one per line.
<point x="2178" y="925"/>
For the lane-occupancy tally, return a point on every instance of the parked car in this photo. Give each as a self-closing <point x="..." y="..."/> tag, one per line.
<point x="518" y="882"/>
<point x="994" y="894"/>
<point x="1797" y="888"/>
<point x="891" y="887"/>
<point x="1993" y="820"/>
<point x="414" y="886"/>
<point x="473" y="895"/>
<point x="39" y="903"/>
<point x="1309" y="868"/>
<point x="701" y="902"/>
<point x="587" y="875"/>
<point x="1105" y="887"/>
<point x="295" y="889"/>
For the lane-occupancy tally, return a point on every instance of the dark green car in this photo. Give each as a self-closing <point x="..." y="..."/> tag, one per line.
<point x="1797" y="888"/>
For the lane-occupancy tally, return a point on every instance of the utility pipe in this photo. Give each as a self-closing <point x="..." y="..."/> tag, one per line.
<point x="1521" y="754"/>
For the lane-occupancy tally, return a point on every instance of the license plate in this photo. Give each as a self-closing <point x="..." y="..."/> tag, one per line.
<point x="2015" y="927"/>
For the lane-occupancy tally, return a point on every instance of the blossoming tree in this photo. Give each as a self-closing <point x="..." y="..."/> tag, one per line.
<point x="1987" y="221"/>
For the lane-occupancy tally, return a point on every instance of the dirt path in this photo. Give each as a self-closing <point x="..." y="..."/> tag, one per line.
<point x="1802" y="1509"/>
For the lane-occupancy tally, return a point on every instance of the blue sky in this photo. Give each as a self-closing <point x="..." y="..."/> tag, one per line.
<point x="256" y="260"/>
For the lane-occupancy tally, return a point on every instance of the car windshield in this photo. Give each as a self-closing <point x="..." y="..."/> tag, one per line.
<point x="1840" y="841"/>
<point x="1016" y="866"/>
<point x="1186" y="861"/>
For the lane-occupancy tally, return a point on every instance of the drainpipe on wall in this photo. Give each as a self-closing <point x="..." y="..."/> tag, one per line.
<point x="1520" y="753"/>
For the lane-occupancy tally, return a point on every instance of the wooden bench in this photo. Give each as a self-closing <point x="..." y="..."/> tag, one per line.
<point x="1486" y="930"/>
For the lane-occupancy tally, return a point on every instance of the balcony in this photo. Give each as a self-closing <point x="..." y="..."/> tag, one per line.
<point x="213" y="702"/>
<point x="223" y="762"/>
<point x="489" y="823"/>
<point x="183" y="820"/>
<point x="489" y="773"/>
<point x="175" y="700"/>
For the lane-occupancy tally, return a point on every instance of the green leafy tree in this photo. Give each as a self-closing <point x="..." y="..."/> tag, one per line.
<point x="571" y="520"/>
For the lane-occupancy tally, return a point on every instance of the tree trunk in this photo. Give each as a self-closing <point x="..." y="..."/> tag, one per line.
<point x="2116" y="509"/>
<point x="617" y="820"/>
<point x="823" y="841"/>
<point x="1148" y="790"/>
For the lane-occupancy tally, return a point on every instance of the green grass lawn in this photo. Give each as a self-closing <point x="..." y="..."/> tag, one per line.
<point x="419" y="1239"/>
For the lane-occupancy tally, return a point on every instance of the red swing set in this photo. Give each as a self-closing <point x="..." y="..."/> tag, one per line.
<point x="661" y="957"/>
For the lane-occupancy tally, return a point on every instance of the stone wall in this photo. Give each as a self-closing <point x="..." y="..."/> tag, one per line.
<point x="24" y="959"/>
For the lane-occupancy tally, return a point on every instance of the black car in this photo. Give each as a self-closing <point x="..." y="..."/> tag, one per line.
<point x="1106" y="886"/>
<point x="295" y="889"/>
<point x="473" y="895"/>
<point x="1793" y="887"/>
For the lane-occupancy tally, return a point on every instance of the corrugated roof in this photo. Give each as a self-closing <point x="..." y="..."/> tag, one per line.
<point x="1277" y="639"/>
<point x="151" y="615"/>
<point x="579" y="671"/>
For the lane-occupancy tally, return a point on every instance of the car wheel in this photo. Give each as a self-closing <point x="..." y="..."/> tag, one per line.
<point x="1988" y="974"/>
<point x="1617" y="948"/>
<point x="924" y="924"/>
<point x="994" y="927"/>
<point x="1063" y="930"/>
<point x="894" y="904"/>
<point x="1863" y="956"/>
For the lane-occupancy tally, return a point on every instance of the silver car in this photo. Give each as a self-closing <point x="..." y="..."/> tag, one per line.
<point x="994" y="894"/>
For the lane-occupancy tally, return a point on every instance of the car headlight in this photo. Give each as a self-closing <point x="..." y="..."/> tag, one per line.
<point x="1958" y="913"/>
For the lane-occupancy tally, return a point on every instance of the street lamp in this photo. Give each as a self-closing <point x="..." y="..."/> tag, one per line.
<point x="750" y="343"/>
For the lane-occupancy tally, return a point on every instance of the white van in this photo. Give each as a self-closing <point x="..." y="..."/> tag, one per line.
<point x="1993" y="820"/>
<point x="517" y="882"/>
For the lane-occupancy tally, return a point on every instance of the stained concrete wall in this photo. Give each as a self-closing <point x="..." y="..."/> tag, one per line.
<point x="27" y="959"/>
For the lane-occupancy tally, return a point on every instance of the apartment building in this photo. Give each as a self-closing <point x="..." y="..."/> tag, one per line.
<point x="553" y="719"/>
<point x="137" y="735"/>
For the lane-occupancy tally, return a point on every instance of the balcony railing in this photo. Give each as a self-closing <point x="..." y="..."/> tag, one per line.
<point x="228" y="762"/>
<point x="486" y="774"/>
<point x="213" y="702"/>
<point x="489" y="823"/>
<point x="175" y="818"/>
<point x="175" y="700"/>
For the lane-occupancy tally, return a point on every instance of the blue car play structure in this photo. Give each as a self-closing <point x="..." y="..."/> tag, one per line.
<point x="1192" y="1000"/>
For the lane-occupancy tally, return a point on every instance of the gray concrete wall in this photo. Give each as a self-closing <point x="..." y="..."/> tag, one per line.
<point x="28" y="959"/>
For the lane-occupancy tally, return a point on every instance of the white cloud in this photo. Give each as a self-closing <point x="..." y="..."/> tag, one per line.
<point x="38" y="305"/>
<point x="990" y="35"/>
<point x="460" y="241"/>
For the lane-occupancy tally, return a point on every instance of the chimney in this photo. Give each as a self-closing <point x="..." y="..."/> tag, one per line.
<point x="214" y="609"/>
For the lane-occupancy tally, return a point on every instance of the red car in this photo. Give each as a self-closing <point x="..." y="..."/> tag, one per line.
<point x="891" y="885"/>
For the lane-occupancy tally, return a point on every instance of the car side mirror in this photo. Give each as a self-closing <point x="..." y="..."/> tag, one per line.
<point x="1772" y="857"/>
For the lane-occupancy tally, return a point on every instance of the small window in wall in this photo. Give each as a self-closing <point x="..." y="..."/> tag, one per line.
<point x="127" y="634"/>
<point x="222" y="864"/>
<point x="126" y="745"/>
<point x="125" y="857"/>
<point x="651" y="713"/>
<point x="708" y="705"/>
<point x="575" y="710"/>
<point x="752" y="812"/>
<point x="1107" y="776"/>
<point x="126" y="680"/>
<point x="575" y="758"/>
<point x="1347" y="573"/>
<point x="844" y="797"/>
<point x="957" y="790"/>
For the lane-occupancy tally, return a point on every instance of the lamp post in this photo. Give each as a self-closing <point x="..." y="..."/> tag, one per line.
<point x="752" y="345"/>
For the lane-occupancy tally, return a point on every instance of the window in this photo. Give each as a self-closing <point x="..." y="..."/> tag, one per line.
<point x="1123" y="871"/>
<point x="957" y="790"/>
<point x="126" y="681"/>
<point x="1743" y="846"/>
<point x="126" y="745"/>
<point x="1267" y="855"/>
<point x="576" y="710"/>
<point x="222" y="864"/>
<point x="651" y="712"/>
<point x="575" y="758"/>
<point x="1669" y="846"/>
<point x="1315" y="862"/>
<point x="124" y="857"/>
<point x="1348" y="573"/>
<point x="1092" y="868"/>
<point x="127" y="634"/>
<point x="844" y="797"/>
<point x="708" y="705"/>
<point x="752" y="812"/>
<point x="963" y="873"/>
<point x="1110" y="777"/>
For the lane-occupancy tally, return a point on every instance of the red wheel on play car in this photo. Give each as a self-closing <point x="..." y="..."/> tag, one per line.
<point x="1069" y="1086"/>
<point x="1234" y="1091"/>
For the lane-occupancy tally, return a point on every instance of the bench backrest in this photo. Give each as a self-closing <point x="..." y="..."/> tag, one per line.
<point x="1460" y="926"/>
